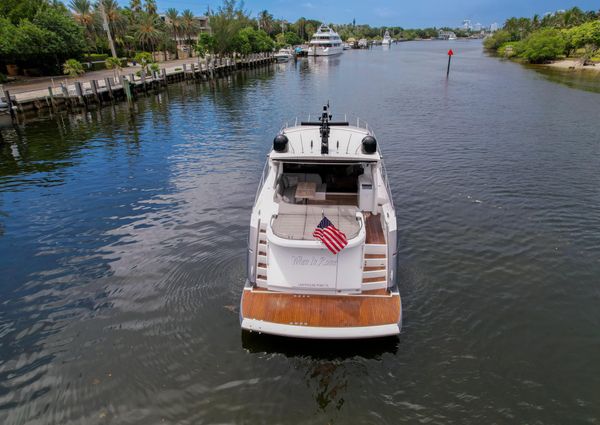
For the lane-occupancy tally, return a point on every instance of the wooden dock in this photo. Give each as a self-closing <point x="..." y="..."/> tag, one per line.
<point x="127" y="86"/>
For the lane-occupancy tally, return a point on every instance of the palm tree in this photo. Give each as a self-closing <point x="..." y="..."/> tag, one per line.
<point x="535" y="21"/>
<point x="147" y="31"/>
<point x="135" y="6"/>
<point x="174" y="23"/>
<point x="150" y="6"/>
<point x="116" y="20"/>
<point x="265" y="20"/>
<point x="84" y="16"/>
<point x="82" y="11"/>
<point x="189" y="25"/>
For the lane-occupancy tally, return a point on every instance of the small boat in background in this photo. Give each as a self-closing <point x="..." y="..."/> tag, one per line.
<point x="284" y="55"/>
<point x="387" y="40"/>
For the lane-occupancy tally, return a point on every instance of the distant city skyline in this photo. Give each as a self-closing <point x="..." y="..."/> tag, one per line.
<point x="408" y="14"/>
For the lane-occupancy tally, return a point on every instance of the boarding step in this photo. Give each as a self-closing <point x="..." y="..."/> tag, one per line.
<point x="262" y="257"/>
<point x="376" y="271"/>
<point x="373" y="248"/>
<point x="379" y="261"/>
<point x="262" y="269"/>
<point x="261" y="281"/>
<point x="371" y="283"/>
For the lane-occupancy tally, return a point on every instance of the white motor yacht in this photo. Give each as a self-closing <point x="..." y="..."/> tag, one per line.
<point x="322" y="242"/>
<point x="325" y="42"/>
<point x="284" y="55"/>
<point x="387" y="40"/>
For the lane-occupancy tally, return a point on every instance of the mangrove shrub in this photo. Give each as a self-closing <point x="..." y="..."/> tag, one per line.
<point x="543" y="45"/>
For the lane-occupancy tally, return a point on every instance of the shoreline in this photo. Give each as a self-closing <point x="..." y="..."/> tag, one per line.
<point x="571" y="65"/>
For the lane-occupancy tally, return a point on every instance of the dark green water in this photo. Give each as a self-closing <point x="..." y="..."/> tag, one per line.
<point x="122" y="252"/>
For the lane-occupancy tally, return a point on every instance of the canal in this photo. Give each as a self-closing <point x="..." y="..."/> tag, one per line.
<point x="122" y="251"/>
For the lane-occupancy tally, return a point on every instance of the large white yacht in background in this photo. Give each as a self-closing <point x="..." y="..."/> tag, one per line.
<point x="322" y="242"/>
<point x="325" y="42"/>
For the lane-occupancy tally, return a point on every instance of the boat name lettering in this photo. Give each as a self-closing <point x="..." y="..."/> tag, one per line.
<point x="318" y="261"/>
<point x="313" y="285"/>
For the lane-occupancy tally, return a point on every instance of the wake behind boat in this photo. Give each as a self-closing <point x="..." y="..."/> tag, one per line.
<point x="322" y="244"/>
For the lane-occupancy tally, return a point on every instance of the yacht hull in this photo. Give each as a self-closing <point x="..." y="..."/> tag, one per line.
<point x="325" y="51"/>
<point x="372" y="314"/>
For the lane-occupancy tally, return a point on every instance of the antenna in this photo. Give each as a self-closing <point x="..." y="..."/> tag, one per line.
<point x="324" y="130"/>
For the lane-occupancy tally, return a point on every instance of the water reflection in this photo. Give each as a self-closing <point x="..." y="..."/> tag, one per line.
<point x="587" y="79"/>
<point x="320" y="65"/>
<point x="328" y="364"/>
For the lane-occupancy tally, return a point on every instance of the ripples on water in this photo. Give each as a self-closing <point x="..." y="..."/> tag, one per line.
<point x="122" y="252"/>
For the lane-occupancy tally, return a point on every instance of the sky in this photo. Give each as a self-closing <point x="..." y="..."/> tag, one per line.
<point x="404" y="13"/>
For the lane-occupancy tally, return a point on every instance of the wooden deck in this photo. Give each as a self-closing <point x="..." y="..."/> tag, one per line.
<point x="374" y="230"/>
<point x="331" y="199"/>
<point x="371" y="308"/>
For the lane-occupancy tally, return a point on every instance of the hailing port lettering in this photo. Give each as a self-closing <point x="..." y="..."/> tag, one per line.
<point x="299" y="260"/>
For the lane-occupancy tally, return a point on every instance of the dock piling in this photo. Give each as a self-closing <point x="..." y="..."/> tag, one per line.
<point x="94" y="85"/>
<point x="127" y="90"/>
<point x="52" y="101"/>
<point x="11" y="108"/>
<point x="79" y="92"/>
<point x="109" y="87"/>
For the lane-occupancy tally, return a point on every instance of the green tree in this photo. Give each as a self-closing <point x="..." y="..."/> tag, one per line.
<point x="205" y="44"/>
<point x="496" y="40"/>
<point x="9" y="48"/>
<point x="265" y="21"/>
<point x="117" y="21"/>
<point x="144" y="59"/>
<point x="17" y="10"/>
<point x="292" y="39"/>
<point x="518" y="28"/>
<point x="585" y="34"/>
<point x="226" y="24"/>
<point x="189" y="25"/>
<point x="150" y="6"/>
<point x="68" y="35"/>
<point x="543" y="45"/>
<point x="147" y="31"/>
<point x="174" y="24"/>
<point x="114" y="64"/>
<point x="83" y="14"/>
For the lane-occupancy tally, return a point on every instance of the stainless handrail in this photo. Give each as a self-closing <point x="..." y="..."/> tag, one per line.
<point x="262" y="180"/>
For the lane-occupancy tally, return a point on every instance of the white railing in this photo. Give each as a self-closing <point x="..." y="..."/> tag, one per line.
<point x="354" y="122"/>
<point x="263" y="177"/>
<point x="385" y="180"/>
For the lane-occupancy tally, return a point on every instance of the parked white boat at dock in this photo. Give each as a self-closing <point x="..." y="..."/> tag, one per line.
<point x="323" y="175"/>
<point x="284" y="55"/>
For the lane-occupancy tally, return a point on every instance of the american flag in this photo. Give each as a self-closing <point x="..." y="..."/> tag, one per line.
<point x="327" y="233"/>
